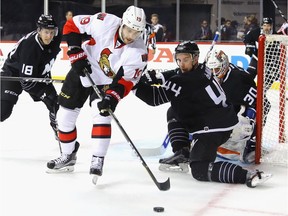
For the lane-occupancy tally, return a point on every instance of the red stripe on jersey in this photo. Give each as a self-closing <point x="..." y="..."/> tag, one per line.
<point x="66" y="137"/>
<point x="128" y="85"/>
<point x="101" y="131"/>
<point x="70" y="27"/>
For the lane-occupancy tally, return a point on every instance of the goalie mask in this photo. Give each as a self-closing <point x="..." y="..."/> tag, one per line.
<point x="218" y="62"/>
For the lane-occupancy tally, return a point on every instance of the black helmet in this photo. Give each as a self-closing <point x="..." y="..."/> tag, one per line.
<point x="187" y="47"/>
<point x="267" y="20"/>
<point x="46" y="21"/>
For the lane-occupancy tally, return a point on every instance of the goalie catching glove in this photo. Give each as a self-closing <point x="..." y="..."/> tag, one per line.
<point x="109" y="102"/>
<point x="79" y="61"/>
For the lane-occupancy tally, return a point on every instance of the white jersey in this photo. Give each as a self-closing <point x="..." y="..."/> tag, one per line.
<point x="106" y="54"/>
<point x="157" y="27"/>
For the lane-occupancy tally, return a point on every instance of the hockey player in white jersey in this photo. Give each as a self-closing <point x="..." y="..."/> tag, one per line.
<point x="115" y="57"/>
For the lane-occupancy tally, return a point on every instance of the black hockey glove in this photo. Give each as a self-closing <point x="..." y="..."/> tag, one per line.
<point x="54" y="123"/>
<point x="79" y="61"/>
<point x="110" y="101"/>
<point x="50" y="98"/>
<point x="250" y="50"/>
<point x="150" y="78"/>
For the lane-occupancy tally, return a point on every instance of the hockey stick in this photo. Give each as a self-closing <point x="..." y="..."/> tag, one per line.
<point x="53" y="121"/>
<point x="42" y="80"/>
<point x="30" y="79"/>
<point x="162" y="148"/>
<point x="255" y="57"/>
<point x="215" y="39"/>
<point x="161" y="185"/>
<point x="280" y="12"/>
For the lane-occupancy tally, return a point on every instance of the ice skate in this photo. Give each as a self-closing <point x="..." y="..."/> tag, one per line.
<point x="256" y="177"/>
<point x="96" y="168"/>
<point x="179" y="162"/>
<point x="248" y="154"/>
<point x="64" y="163"/>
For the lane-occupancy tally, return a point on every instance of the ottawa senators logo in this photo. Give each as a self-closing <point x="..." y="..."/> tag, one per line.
<point x="105" y="64"/>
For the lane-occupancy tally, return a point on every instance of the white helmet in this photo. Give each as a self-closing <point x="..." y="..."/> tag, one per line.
<point x="134" y="18"/>
<point x="218" y="62"/>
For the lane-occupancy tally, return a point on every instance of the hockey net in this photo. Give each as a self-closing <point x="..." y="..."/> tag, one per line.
<point x="272" y="99"/>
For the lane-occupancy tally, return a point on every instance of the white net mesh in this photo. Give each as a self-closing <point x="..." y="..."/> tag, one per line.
<point x="274" y="147"/>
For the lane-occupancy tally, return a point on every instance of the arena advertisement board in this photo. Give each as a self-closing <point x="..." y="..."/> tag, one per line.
<point x="162" y="60"/>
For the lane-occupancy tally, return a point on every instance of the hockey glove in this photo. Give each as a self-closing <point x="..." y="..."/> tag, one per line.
<point x="79" y="61"/>
<point x="110" y="101"/>
<point x="250" y="50"/>
<point x="283" y="29"/>
<point x="50" y="98"/>
<point x="53" y="121"/>
<point x="247" y="126"/>
<point x="150" y="77"/>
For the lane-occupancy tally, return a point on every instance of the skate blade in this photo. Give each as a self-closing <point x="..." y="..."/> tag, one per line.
<point x="67" y="169"/>
<point x="95" y="179"/>
<point x="182" y="168"/>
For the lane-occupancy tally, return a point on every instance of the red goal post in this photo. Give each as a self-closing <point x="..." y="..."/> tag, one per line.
<point x="272" y="99"/>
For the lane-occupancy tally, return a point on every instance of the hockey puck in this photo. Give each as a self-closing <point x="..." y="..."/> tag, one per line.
<point x="158" y="209"/>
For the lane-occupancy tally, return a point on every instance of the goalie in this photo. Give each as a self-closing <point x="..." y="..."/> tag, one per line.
<point x="240" y="89"/>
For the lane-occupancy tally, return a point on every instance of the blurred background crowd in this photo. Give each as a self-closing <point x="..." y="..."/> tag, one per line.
<point x="179" y="20"/>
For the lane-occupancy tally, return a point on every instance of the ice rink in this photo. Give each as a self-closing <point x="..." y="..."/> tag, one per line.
<point x="125" y="189"/>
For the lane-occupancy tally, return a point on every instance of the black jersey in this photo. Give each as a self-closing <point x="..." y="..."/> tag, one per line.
<point x="30" y="58"/>
<point x="197" y="100"/>
<point x="252" y="36"/>
<point x="240" y="87"/>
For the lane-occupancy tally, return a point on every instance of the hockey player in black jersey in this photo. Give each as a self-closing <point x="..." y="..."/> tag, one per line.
<point x="33" y="56"/>
<point x="251" y="43"/>
<point x="199" y="107"/>
<point x="241" y="145"/>
<point x="232" y="77"/>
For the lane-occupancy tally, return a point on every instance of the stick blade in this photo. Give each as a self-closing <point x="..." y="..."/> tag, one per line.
<point x="164" y="186"/>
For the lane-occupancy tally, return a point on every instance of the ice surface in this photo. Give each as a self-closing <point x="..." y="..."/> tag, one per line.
<point x="125" y="189"/>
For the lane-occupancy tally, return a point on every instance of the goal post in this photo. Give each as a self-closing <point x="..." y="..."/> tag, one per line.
<point x="272" y="99"/>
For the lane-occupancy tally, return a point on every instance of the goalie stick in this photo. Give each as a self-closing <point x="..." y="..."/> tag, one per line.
<point x="163" y="186"/>
<point x="31" y="79"/>
<point x="160" y="150"/>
